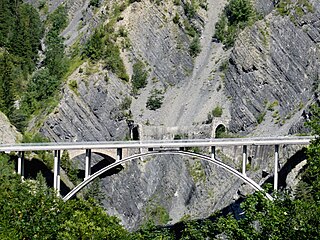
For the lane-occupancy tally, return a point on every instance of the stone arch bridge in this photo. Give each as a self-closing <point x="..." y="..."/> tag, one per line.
<point x="152" y="148"/>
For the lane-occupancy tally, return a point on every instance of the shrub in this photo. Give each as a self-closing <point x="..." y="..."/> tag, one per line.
<point x="217" y="111"/>
<point x="189" y="10"/>
<point x="139" y="76"/>
<point x="261" y="117"/>
<point x="74" y="86"/>
<point x="236" y="16"/>
<point x="94" y="3"/>
<point x="126" y="103"/>
<point x="155" y="99"/>
<point x="195" y="47"/>
<point x="102" y="46"/>
<point x="176" y="18"/>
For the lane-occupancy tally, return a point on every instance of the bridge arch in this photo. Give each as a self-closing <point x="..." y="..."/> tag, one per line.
<point x="229" y="169"/>
<point x="107" y="153"/>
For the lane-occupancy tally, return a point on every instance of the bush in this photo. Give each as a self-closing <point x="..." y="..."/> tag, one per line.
<point x="236" y="16"/>
<point x="261" y="117"/>
<point x="139" y="76"/>
<point x="189" y="10"/>
<point x="195" y="47"/>
<point x="176" y="18"/>
<point x="126" y="103"/>
<point x="155" y="99"/>
<point x="94" y="3"/>
<point x="102" y="46"/>
<point x="217" y="111"/>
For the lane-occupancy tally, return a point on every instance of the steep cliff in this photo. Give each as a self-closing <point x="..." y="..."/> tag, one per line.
<point x="273" y="71"/>
<point x="92" y="108"/>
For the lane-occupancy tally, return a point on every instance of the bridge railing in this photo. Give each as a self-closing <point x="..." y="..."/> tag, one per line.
<point x="87" y="147"/>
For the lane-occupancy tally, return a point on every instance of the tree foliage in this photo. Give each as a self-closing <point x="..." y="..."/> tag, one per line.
<point x="139" y="76"/>
<point x="25" y="81"/>
<point x="312" y="174"/>
<point x="20" y="33"/>
<point x="102" y="46"/>
<point x="154" y="101"/>
<point x="30" y="210"/>
<point x="236" y="16"/>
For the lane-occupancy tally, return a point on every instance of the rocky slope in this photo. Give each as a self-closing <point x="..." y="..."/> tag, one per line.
<point x="273" y="70"/>
<point x="91" y="110"/>
<point x="8" y="133"/>
<point x="274" y="64"/>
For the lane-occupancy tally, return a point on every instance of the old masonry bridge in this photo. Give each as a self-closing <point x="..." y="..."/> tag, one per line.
<point x="139" y="149"/>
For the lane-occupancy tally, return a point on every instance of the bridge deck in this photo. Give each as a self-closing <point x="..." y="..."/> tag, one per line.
<point x="156" y="144"/>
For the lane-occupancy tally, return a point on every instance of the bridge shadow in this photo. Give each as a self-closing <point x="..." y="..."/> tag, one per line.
<point x="106" y="161"/>
<point x="290" y="164"/>
<point x="35" y="166"/>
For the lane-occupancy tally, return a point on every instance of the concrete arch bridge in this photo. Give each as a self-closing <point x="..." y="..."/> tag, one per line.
<point x="153" y="148"/>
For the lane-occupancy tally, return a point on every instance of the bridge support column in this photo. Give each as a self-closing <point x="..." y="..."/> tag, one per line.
<point x="21" y="164"/>
<point x="56" y="171"/>
<point x="213" y="152"/>
<point x="119" y="154"/>
<point x="244" y="159"/>
<point x="88" y="164"/>
<point x="276" y="169"/>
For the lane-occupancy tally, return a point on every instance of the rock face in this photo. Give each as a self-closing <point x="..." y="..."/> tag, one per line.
<point x="8" y="133"/>
<point x="91" y="110"/>
<point x="273" y="69"/>
<point x="160" y="42"/>
<point x="264" y="6"/>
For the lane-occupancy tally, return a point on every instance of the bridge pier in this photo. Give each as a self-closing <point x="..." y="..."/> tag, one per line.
<point x="119" y="154"/>
<point x="21" y="164"/>
<point x="276" y="167"/>
<point x="88" y="164"/>
<point x="244" y="159"/>
<point x="213" y="152"/>
<point x="56" y="171"/>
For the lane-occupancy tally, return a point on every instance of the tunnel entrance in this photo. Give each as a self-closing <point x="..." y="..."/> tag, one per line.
<point x="135" y="133"/>
<point x="221" y="131"/>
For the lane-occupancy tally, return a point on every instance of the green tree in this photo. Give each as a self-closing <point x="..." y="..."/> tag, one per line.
<point x="195" y="47"/>
<point x="154" y="101"/>
<point x="139" y="76"/>
<point x="236" y="16"/>
<point x="95" y="45"/>
<point x="6" y="83"/>
<point x="30" y="210"/>
<point x="312" y="174"/>
<point x="239" y="11"/>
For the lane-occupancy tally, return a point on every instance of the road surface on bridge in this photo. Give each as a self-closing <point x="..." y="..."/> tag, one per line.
<point x="23" y="147"/>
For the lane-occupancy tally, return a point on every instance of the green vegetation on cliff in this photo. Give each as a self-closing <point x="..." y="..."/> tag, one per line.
<point x="236" y="16"/>
<point x="20" y="34"/>
<point x="102" y="45"/>
<point x="28" y="84"/>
